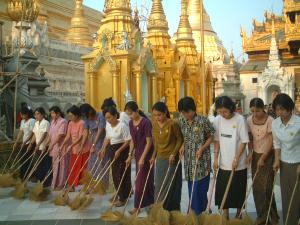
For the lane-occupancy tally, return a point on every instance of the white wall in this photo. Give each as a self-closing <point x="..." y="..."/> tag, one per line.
<point x="249" y="89"/>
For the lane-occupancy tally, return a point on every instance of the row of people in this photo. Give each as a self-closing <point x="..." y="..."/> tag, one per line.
<point x="272" y="145"/>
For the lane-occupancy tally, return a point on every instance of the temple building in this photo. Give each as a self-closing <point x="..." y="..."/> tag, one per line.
<point x="273" y="64"/>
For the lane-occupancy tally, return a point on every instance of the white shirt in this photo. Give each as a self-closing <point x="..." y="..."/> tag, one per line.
<point x="124" y="118"/>
<point x="118" y="134"/>
<point x="231" y="134"/>
<point x="27" y="127"/>
<point x="39" y="129"/>
<point x="287" y="139"/>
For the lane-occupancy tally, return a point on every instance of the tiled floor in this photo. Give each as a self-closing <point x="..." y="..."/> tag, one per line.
<point x="25" y="212"/>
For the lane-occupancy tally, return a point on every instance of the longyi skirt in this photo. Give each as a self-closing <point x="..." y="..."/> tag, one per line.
<point x="237" y="190"/>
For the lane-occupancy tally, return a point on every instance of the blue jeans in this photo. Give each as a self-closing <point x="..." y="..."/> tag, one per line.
<point x="199" y="201"/>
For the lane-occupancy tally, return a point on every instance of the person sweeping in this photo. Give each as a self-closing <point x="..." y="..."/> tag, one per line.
<point x="231" y="138"/>
<point x="57" y="133"/>
<point x="117" y="140"/>
<point x="167" y="142"/>
<point x="78" y="155"/>
<point x="40" y="132"/>
<point x="198" y="135"/>
<point x="141" y="148"/>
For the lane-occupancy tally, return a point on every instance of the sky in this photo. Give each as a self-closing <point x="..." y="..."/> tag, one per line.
<point x="226" y="17"/>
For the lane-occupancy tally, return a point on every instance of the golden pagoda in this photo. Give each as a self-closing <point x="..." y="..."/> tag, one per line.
<point x="79" y="31"/>
<point x="118" y="56"/>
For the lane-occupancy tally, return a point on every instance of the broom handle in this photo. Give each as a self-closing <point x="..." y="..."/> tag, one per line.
<point x="106" y="170"/>
<point x="291" y="201"/>
<point x="9" y="158"/>
<point x="144" y="190"/>
<point x="17" y="156"/>
<point x="81" y="169"/>
<point x="16" y="169"/>
<point x="123" y="176"/>
<point x="270" y="205"/>
<point x="177" y="166"/>
<point x="59" y="159"/>
<point x="20" y="159"/>
<point x="30" y="164"/>
<point x="248" y="193"/>
<point x="227" y="190"/>
<point x="29" y="168"/>
<point x="212" y="191"/>
<point x="131" y="190"/>
<point x="71" y="170"/>
<point x="36" y="165"/>
<point x="163" y="184"/>
<point x="91" y="181"/>
<point x="193" y="186"/>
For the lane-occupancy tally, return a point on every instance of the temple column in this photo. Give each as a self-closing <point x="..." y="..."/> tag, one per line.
<point x="138" y="88"/>
<point x="177" y="88"/>
<point x="188" y="88"/>
<point x="92" y="89"/>
<point x="153" y="90"/>
<point x="160" y="88"/>
<point x="116" y="87"/>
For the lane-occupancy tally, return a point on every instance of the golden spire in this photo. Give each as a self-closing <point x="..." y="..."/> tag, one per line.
<point x="157" y="19"/>
<point x="273" y="25"/>
<point x="184" y="29"/>
<point x="79" y="32"/>
<point x="123" y="5"/>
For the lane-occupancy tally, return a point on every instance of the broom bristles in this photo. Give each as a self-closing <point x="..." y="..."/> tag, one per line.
<point x="62" y="199"/>
<point x="99" y="189"/>
<point x="177" y="218"/>
<point x="110" y="216"/>
<point x="212" y="219"/>
<point x="38" y="193"/>
<point x="86" y="178"/>
<point x="7" y="180"/>
<point x="87" y="202"/>
<point x="75" y="204"/>
<point x="159" y="215"/>
<point x="20" y="191"/>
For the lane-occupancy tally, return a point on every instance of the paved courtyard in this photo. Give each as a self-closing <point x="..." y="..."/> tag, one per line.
<point x="26" y="212"/>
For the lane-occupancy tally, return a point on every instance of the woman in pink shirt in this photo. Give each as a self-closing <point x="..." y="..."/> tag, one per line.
<point x="75" y="134"/>
<point x="261" y="158"/>
<point x="57" y="133"/>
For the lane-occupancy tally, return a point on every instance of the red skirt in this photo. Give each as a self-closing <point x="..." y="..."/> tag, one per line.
<point x="75" y="176"/>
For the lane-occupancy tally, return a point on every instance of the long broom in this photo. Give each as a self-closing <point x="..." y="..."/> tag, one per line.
<point x="62" y="198"/>
<point x="80" y="200"/>
<point x="109" y="215"/>
<point x="190" y="219"/>
<point x="246" y="219"/>
<point x="21" y="188"/>
<point x="39" y="193"/>
<point x="120" y="216"/>
<point x="157" y="213"/>
<point x="219" y="219"/>
<point x="7" y="179"/>
<point x="88" y="174"/>
<point x="135" y="219"/>
<point x="206" y="214"/>
<point x="94" y="186"/>
<point x="291" y="201"/>
<point x="271" y="200"/>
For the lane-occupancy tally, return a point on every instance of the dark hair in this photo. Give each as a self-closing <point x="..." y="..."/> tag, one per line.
<point x="24" y="104"/>
<point x="186" y="104"/>
<point x="87" y="110"/>
<point x="225" y="102"/>
<point x="112" y="111"/>
<point x="57" y="110"/>
<point x="107" y="103"/>
<point x="284" y="101"/>
<point x="161" y="107"/>
<point x="257" y="103"/>
<point x="133" y="106"/>
<point x="74" y="110"/>
<point x="40" y="110"/>
<point x="26" y="111"/>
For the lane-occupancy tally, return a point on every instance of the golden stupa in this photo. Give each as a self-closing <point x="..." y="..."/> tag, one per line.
<point x="152" y="68"/>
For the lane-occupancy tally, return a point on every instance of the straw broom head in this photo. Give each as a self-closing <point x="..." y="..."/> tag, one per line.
<point x="75" y="204"/>
<point x="159" y="215"/>
<point x="20" y="191"/>
<point x="7" y="180"/>
<point x="213" y="219"/>
<point x="99" y="189"/>
<point x="62" y="198"/>
<point x="86" y="202"/>
<point x="177" y="218"/>
<point x="86" y="178"/>
<point x="245" y="221"/>
<point x="110" y="216"/>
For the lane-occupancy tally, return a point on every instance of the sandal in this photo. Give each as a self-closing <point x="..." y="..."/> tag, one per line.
<point x="119" y="204"/>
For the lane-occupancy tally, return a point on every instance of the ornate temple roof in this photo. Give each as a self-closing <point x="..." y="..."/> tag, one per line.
<point x="79" y="31"/>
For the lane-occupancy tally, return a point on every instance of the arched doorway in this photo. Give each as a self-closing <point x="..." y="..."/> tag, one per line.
<point x="272" y="91"/>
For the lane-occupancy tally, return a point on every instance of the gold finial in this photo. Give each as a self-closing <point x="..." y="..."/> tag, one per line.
<point x="120" y="4"/>
<point x="157" y="18"/>
<point x="25" y="10"/>
<point x="273" y="25"/>
<point x="79" y="32"/>
<point x="184" y="28"/>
